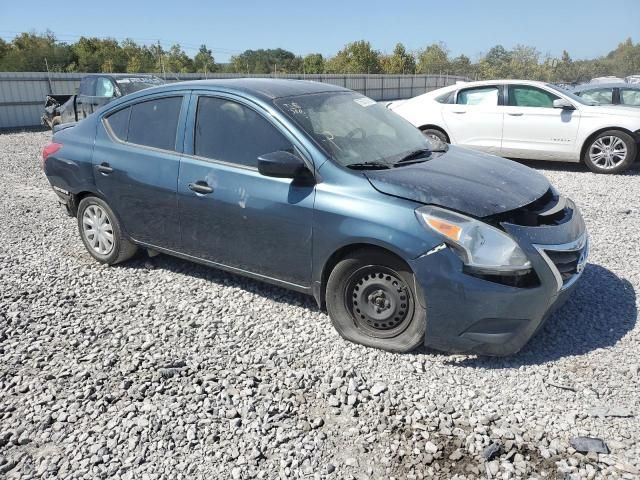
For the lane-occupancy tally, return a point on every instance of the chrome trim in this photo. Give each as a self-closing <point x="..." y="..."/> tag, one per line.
<point x="582" y="243"/>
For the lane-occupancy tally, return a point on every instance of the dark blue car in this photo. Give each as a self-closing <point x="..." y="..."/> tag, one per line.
<point x="321" y="190"/>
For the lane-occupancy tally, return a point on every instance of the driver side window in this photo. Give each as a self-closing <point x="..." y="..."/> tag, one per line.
<point x="527" y="96"/>
<point x="232" y="133"/>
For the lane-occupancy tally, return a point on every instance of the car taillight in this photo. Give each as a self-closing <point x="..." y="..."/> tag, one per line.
<point x="49" y="150"/>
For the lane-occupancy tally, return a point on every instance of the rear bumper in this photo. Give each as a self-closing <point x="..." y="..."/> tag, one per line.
<point x="473" y="315"/>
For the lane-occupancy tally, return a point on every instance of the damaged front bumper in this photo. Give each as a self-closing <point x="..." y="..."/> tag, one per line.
<point x="466" y="313"/>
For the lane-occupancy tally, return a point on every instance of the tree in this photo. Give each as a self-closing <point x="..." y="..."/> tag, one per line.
<point x="31" y="52"/>
<point x="204" y="61"/>
<point x="495" y="64"/>
<point x="99" y="55"/>
<point x="313" y="63"/>
<point x="524" y="63"/>
<point x="399" y="62"/>
<point x="267" y="61"/>
<point x="461" y="65"/>
<point x="138" y="58"/>
<point x="434" y="59"/>
<point x="177" y="61"/>
<point x="355" y="57"/>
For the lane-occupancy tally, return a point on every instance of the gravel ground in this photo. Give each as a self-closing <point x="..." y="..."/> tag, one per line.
<point x="161" y="369"/>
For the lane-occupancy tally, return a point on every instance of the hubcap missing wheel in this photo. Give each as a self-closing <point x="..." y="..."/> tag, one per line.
<point x="379" y="301"/>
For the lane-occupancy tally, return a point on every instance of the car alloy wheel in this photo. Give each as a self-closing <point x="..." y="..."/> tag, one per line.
<point x="379" y="301"/>
<point x="608" y="152"/>
<point x="97" y="229"/>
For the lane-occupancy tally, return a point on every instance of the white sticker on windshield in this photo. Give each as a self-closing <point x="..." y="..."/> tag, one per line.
<point x="365" y="101"/>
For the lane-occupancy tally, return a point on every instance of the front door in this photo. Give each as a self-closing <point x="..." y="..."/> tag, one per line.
<point x="136" y="161"/>
<point x="231" y="214"/>
<point x="475" y="119"/>
<point x="533" y="129"/>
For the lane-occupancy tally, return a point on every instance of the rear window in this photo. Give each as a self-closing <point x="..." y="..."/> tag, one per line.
<point x="154" y="123"/>
<point x="119" y="123"/>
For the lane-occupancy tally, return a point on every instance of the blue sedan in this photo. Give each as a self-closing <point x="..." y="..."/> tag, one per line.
<point x="319" y="189"/>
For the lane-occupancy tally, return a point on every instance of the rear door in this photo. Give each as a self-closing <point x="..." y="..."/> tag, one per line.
<point x="136" y="161"/>
<point x="605" y="96"/>
<point x="534" y="129"/>
<point x="243" y="220"/>
<point x="475" y="119"/>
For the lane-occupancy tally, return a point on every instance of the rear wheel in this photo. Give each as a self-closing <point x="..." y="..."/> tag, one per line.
<point x="371" y="300"/>
<point x="101" y="232"/>
<point x="55" y="121"/>
<point x="612" y="151"/>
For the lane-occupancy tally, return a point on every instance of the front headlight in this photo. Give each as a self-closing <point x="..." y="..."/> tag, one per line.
<point x="479" y="245"/>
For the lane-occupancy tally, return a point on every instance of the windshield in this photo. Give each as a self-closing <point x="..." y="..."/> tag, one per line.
<point x="571" y="95"/>
<point x="353" y="129"/>
<point x="133" y="84"/>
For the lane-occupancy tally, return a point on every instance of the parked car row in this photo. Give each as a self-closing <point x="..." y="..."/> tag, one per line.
<point x="529" y="120"/>
<point x="321" y="190"/>
<point x="95" y="91"/>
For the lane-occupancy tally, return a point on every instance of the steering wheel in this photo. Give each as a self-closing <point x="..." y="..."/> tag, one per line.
<point x="355" y="131"/>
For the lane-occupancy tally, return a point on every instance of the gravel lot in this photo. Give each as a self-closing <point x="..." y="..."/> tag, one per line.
<point x="161" y="369"/>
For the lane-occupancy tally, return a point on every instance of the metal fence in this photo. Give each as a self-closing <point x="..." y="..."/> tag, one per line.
<point x="22" y="94"/>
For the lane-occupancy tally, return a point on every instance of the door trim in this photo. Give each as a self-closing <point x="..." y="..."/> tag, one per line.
<point x="227" y="268"/>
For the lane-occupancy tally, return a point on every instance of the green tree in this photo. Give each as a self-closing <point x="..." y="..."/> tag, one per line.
<point x="204" y="61"/>
<point x="139" y="58"/>
<point x="434" y="59"/>
<point x="177" y="61"/>
<point x="461" y="65"/>
<point x="399" y="62"/>
<point x="99" y="55"/>
<point x="313" y="63"/>
<point x="267" y="61"/>
<point x="355" y="57"/>
<point x="524" y="63"/>
<point x="31" y="52"/>
<point x="495" y="64"/>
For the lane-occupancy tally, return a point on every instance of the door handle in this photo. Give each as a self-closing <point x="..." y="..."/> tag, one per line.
<point x="460" y="112"/>
<point x="515" y="114"/>
<point x="200" y="187"/>
<point x="105" y="168"/>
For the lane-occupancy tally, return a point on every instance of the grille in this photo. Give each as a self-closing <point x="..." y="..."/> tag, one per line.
<point x="549" y="209"/>
<point x="565" y="262"/>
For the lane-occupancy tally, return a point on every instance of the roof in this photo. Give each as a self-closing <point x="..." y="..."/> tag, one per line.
<point x="597" y="86"/>
<point x="264" y="88"/>
<point x="121" y="75"/>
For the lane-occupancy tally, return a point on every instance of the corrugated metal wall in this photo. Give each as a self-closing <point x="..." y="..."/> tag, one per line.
<point x="22" y="94"/>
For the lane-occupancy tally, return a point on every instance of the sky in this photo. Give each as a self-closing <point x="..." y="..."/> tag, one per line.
<point x="585" y="28"/>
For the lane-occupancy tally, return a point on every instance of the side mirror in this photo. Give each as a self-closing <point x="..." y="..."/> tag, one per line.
<point x="563" y="104"/>
<point x="281" y="164"/>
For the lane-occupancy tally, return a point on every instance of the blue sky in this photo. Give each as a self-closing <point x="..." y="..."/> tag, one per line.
<point x="585" y="28"/>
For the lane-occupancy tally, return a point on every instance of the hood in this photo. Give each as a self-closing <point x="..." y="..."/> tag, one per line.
<point x="617" y="110"/>
<point x="469" y="182"/>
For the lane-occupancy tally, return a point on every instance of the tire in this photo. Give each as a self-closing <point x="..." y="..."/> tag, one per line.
<point x="109" y="244"/>
<point x="55" y="121"/>
<point x="356" y="306"/>
<point x="437" y="135"/>
<point x="603" y="153"/>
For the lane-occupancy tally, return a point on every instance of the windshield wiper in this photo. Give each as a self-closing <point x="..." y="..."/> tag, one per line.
<point x="368" y="165"/>
<point x="415" y="156"/>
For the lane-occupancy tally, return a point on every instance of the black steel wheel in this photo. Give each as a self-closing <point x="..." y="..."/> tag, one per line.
<point x="372" y="300"/>
<point x="380" y="302"/>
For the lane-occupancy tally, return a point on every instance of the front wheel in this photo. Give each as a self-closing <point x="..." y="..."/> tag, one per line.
<point x="612" y="151"/>
<point x="371" y="300"/>
<point x="101" y="232"/>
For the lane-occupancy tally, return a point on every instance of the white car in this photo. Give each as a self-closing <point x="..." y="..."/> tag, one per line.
<point x="528" y="120"/>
